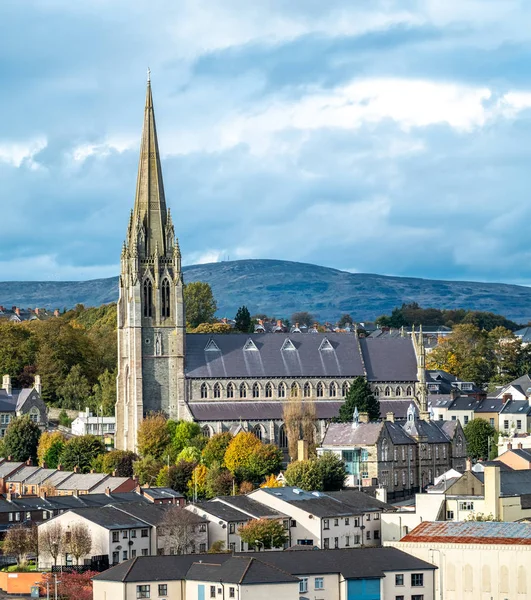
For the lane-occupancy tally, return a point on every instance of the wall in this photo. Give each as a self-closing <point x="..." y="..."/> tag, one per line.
<point x="18" y="583"/>
<point x="279" y="591"/>
<point x="390" y="590"/>
<point x="476" y="571"/>
<point x="109" y="590"/>
<point x="397" y="524"/>
<point x="363" y="589"/>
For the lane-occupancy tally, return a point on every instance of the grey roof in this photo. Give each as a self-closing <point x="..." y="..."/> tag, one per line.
<point x="316" y="355"/>
<point x="440" y="400"/>
<point x="162" y="493"/>
<point x="448" y="427"/>
<point x="344" y="434"/>
<point x="221" y="511"/>
<point x="252" y="507"/>
<point x="397" y="433"/>
<point x="253" y="411"/>
<point x="82" y="481"/>
<point x="156" y="568"/>
<point x="360" y="501"/>
<point x="110" y="482"/>
<point x="430" y="430"/>
<point x="397" y="407"/>
<point x="40" y="476"/>
<point x="14" y="401"/>
<point x="490" y="405"/>
<point x="524" y="334"/>
<point x="59" y="477"/>
<point x="525" y="380"/>
<point x="246" y="570"/>
<point x="512" y="483"/>
<point x="150" y="513"/>
<point x="6" y="468"/>
<point x="110" y="517"/>
<point x="23" y="474"/>
<point x="465" y="403"/>
<point x="516" y="407"/>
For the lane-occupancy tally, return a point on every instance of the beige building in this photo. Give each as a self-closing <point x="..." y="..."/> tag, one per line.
<point x="476" y="560"/>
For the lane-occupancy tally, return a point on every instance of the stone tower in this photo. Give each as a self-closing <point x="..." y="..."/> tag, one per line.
<point x="151" y="321"/>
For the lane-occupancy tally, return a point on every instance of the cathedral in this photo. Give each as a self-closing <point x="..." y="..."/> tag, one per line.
<point x="230" y="382"/>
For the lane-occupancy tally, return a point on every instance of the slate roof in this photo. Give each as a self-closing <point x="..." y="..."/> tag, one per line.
<point x="490" y="405"/>
<point x="448" y="427"/>
<point x="430" y="430"/>
<point x="221" y="511"/>
<point x="516" y="407"/>
<point x="81" y="481"/>
<point x="156" y="568"/>
<point x="14" y="401"/>
<point x="397" y="407"/>
<point x="465" y="403"/>
<point x="316" y="355"/>
<point x="344" y="434"/>
<point x="253" y="411"/>
<point x="248" y="505"/>
<point x="476" y="532"/>
<point x="360" y="501"/>
<point x="39" y="476"/>
<point x="8" y="467"/>
<point x="162" y="493"/>
<point x="246" y="570"/>
<point x="524" y="334"/>
<point x="512" y="482"/>
<point x="150" y="513"/>
<point x="110" y="517"/>
<point x="23" y="474"/>
<point x="440" y="400"/>
<point x="110" y="482"/>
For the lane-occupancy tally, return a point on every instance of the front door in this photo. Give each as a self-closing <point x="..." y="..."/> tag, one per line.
<point x="200" y="592"/>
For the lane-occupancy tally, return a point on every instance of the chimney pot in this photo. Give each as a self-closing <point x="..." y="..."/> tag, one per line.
<point x="390" y="416"/>
<point x="469" y="464"/>
<point x="519" y="446"/>
<point x="363" y="417"/>
<point x="76" y="469"/>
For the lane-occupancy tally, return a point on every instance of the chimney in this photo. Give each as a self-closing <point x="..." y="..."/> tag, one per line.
<point x="108" y="491"/>
<point x="509" y="446"/>
<point x="59" y="467"/>
<point x="381" y="494"/>
<point x="519" y="446"/>
<point x="302" y="450"/>
<point x="390" y="416"/>
<point x="17" y="310"/>
<point x="9" y="496"/>
<point x="113" y="474"/>
<point x="364" y="417"/>
<point x="6" y="384"/>
<point x="36" y="311"/>
<point x="279" y="323"/>
<point x="468" y="464"/>
<point x="492" y="491"/>
<point x="506" y="397"/>
<point x="92" y="471"/>
<point x="37" y="384"/>
<point x="43" y="464"/>
<point x="43" y="495"/>
<point x="29" y="462"/>
<point x="77" y="469"/>
<point x="76" y="491"/>
<point x="9" y="459"/>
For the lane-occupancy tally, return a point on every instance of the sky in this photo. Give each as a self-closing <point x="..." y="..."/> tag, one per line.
<point x="389" y="137"/>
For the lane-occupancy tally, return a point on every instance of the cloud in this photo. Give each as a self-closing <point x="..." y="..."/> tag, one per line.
<point x="18" y="153"/>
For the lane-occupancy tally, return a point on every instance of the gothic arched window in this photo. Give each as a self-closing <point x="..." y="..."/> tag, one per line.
<point x="243" y="390"/>
<point x="409" y="391"/>
<point x="295" y="390"/>
<point x="230" y="390"/>
<point x="282" y="437"/>
<point x="333" y="389"/>
<point x="258" y="431"/>
<point x="165" y="298"/>
<point x="398" y="391"/>
<point x="282" y="390"/>
<point x="217" y="390"/>
<point x="206" y="431"/>
<point x="385" y="451"/>
<point x="345" y="388"/>
<point x="148" y="298"/>
<point x="307" y="390"/>
<point x="376" y="392"/>
<point x="256" y="390"/>
<point x="320" y="390"/>
<point x="269" y="391"/>
<point x="387" y="391"/>
<point x="204" y="390"/>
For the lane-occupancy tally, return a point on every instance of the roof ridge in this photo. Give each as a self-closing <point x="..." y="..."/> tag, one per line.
<point x="246" y="568"/>
<point x="130" y="567"/>
<point x="275" y="566"/>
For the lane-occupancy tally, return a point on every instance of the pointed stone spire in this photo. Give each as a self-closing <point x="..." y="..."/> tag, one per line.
<point x="150" y="204"/>
<point x="355" y="418"/>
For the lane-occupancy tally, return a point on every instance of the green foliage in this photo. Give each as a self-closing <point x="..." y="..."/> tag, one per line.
<point x="214" y="451"/>
<point x="104" y="394"/>
<point x="53" y="454"/>
<point x="359" y="395"/>
<point x="333" y="471"/>
<point x="304" y="474"/>
<point x="45" y="442"/>
<point x="64" y="419"/>
<point x="120" y="462"/>
<point x="240" y="451"/>
<point x="22" y="439"/>
<point x="81" y="451"/>
<point x="16" y="350"/>
<point x="153" y="437"/>
<point x="74" y="392"/>
<point x="303" y="318"/>
<point x="176" y="476"/>
<point x="190" y="454"/>
<point x="243" y="320"/>
<point x="478" y="432"/>
<point x="200" y="303"/>
<point x="217" y="547"/>
<point x="345" y="320"/>
<point x="267" y="532"/>
<point x="267" y="459"/>
<point x="147" y="470"/>
<point x="184" y="432"/>
<point x="219" y="482"/>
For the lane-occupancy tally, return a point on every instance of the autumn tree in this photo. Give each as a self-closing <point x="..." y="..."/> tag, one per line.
<point x="299" y="421"/>
<point x="197" y="489"/>
<point x="266" y="459"/>
<point x="77" y="540"/>
<point x="71" y="585"/>
<point x="179" y="526"/>
<point x="21" y="439"/>
<point x="153" y="436"/>
<point x="304" y="474"/>
<point x="53" y="455"/>
<point x="80" y="452"/>
<point x="243" y="321"/>
<point x="271" y="482"/>
<point x="51" y="540"/>
<point x="176" y="476"/>
<point x="359" y="396"/>
<point x="200" y="303"/>
<point x="266" y="533"/>
<point x="19" y="542"/>
<point x="219" y="482"/>
<point x="119" y="462"/>
<point x="147" y="470"/>
<point x="214" y="451"/>
<point x="240" y="450"/>
<point x="46" y="441"/>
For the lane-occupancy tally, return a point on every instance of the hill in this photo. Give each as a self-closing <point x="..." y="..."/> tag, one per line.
<point x="279" y="288"/>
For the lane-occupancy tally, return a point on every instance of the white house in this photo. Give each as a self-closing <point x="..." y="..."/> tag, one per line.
<point x="86" y="423"/>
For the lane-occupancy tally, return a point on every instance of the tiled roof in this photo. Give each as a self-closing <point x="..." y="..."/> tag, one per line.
<point x="449" y="532"/>
<point x="344" y="434"/>
<point x="245" y="570"/>
<point x="252" y="507"/>
<point x="253" y="411"/>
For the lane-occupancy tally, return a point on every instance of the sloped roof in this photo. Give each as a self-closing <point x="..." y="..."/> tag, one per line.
<point x="245" y="570"/>
<point x="110" y="517"/>
<point x="220" y="510"/>
<point x="471" y="532"/>
<point x="250" y="506"/>
<point x="254" y="411"/>
<point x="344" y="434"/>
<point x="391" y="359"/>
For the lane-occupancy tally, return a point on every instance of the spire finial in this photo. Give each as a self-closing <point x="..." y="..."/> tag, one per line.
<point x="149" y="75"/>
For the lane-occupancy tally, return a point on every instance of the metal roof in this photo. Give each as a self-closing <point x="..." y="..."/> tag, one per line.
<point x="475" y="532"/>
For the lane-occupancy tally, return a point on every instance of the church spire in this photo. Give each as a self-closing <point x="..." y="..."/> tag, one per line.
<point x="150" y="211"/>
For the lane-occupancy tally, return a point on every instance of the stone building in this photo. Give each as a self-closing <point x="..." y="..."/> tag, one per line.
<point x="15" y="402"/>
<point x="237" y="381"/>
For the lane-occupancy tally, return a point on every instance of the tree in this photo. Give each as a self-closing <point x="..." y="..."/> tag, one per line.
<point x="19" y="542"/>
<point x="176" y="476"/>
<point x="266" y="533"/>
<point x="77" y="540"/>
<point x="46" y="441"/>
<point x="216" y="447"/>
<point x="333" y="471"/>
<point x="22" y="439"/>
<point x="119" y="462"/>
<point x="153" y="436"/>
<point x="271" y="482"/>
<point x="243" y="320"/>
<point x="359" y="396"/>
<point x="266" y="459"/>
<point x="17" y="350"/>
<point x="304" y="474"/>
<point x="345" y="320"/>
<point x="303" y="318"/>
<point x="51" y="540"/>
<point x="74" y="393"/>
<point x="190" y="454"/>
<point x="219" y="482"/>
<point x="64" y="419"/>
<point x="53" y="455"/>
<point x="299" y="420"/>
<point x="80" y="452"/>
<point x="478" y="432"/>
<point x="71" y="585"/>
<point x="104" y="393"/>
<point x="200" y="303"/>
<point x="240" y="450"/>
<point x="217" y="547"/>
<point x="179" y="526"/>
<point x="197" y="484"/>
<point x="184" y="432"/>
<point x="211" y="328"/>
<point x="147" y="470"/>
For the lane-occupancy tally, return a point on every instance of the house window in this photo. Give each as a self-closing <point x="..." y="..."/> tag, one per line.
<point x="376" y="535"/>
<point x="356" y="540"/>
<point x="133" y="533"/>
<point x="124" y="555"/>
<point x="333" y="390"/>
<point x="212" y="591"/>
<point x="518" y="424"/>
<point x="336" y="542"/>
<point x="356" y="522"/>
<point x="144" y="533"/>
<point x="232" y="527"/>
<point x="399" y="579"/>
<point x="148" y="299"/>
<point x="115" y="558"/>
<point x="163" y="589"/>
<point x="326" y="524"/>
<point x="449" y="515"/>
<point x="303" y="585"/>
<point x="347" y="540"/>
<point x="454" y="418"/>
<point x="35" y="415"/>
<point x="133" y="553"/>
<point x="466" y="505"/>
<point x="396" y="478"/>
<point x="368" y="535"/>
<point x="142" y="591"/>
<point x="347" y="521"/>
<point x="491" y="421"/>
<point x="336" y="522"/>
<point x="232" y="592"/>
<point x="368" y="517"/>
<point x="165" y="298"/>
<point x="144" y="552"/>
<point x="364" y="455"/>
<point x="202" y="527"/>
<point x="217" y="390"/>
<point x="465" y="419"/>
<point x="319" y="583"/>
<point x="395" y="454"/>
<point x="387" y="391"/>
<point x="345" y="388"/>
<point x="399" y="597"/>
<point x="417" y="597"/>
<point x="115" y="536"/>
<point x="506" y="424"/>
<point x="202" y="547"/>
<point x="444" y="451"/>
<point x="417" y="579"/>
<point x="124" y="535"/>
<point x="232" y="547"/>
